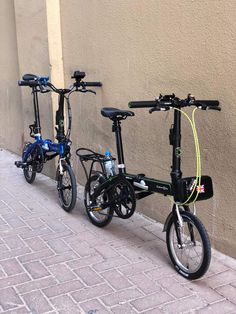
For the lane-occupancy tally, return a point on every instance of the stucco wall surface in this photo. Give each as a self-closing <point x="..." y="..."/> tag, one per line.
<point x="139" y="49"/>
<point x="32" y="42"/>
<point x="11" y="118"/>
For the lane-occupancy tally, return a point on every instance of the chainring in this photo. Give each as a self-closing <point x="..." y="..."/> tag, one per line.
<point x="124" y="197"/>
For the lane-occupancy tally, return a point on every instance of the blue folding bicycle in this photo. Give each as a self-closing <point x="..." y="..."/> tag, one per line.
<point x="35" y="154"/>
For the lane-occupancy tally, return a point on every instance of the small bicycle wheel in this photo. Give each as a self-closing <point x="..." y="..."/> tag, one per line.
<point x="99" y="216"/>
<point x="66" y="186"/>
<point x="192" y="258"/>
<point x="29" y="171"/>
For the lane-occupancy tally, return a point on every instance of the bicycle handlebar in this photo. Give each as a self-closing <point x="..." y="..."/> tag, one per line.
<point x="167" y="102"/>
<point x="93" y="84"/>
<point x="32" y="81"/>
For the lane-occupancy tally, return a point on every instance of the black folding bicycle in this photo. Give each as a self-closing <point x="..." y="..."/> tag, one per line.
<point x="35" y="154"/>
<point x="106" y="196"/>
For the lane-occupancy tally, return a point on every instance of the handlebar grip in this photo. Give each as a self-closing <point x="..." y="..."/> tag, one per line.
<point x="142" y="104"/>
<point x="28" y="83"/>
<point x="207" y="103"/>
<point x="94" y="84"/>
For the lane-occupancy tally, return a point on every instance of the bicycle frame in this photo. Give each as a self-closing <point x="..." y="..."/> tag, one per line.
<point x="150" y="185"/>
<point x="46" y="146"/>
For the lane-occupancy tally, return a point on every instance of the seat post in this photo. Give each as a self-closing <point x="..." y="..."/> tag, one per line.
<point x="116" y="127"/>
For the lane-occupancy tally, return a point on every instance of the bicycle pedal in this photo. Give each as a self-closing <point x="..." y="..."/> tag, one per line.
<point x="20" y="164"/>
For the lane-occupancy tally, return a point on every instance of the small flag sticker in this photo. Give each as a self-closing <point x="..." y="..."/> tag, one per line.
<point x="201" y="189"/>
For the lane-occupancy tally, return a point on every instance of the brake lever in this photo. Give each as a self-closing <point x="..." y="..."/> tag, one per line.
<point x="154" y="109"/>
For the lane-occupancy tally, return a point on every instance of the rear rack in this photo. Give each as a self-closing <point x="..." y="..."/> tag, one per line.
<point x="86" y="155"/>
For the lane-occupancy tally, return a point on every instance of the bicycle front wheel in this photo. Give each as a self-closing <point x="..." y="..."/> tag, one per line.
<point x="192" y="255"/>
<point x="66" y="186"/>
<point x="29" y="171"/>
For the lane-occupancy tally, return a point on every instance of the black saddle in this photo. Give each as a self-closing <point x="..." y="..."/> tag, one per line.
<point x="29" y="77"/>
<point x="114" y="113"/>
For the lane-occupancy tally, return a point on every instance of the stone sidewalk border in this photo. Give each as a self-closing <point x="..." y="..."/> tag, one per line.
<point x="55" y="262"/>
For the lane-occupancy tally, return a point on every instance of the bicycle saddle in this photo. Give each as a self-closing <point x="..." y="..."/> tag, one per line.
<point x="114" y="113"/>
<point x="29" y="77"/>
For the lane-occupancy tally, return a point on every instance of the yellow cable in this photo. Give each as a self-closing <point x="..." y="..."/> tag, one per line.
<point x="198" y="158"/>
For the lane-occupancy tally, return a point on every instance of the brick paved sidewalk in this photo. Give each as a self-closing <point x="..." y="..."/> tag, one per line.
<point x="54" y="262"/>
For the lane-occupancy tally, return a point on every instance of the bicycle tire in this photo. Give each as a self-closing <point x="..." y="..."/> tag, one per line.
<point x="71" y="185"/>
<point x="98" y="218"/>
<point x="201" y="236"/>
<point x="28" y="171"/>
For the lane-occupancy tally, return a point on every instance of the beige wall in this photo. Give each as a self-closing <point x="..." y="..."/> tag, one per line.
<point x="139" y="48"/>
<point x="11" y="118"/>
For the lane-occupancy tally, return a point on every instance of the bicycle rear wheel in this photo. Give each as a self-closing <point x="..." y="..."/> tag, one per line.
<point x="192" y="258"/>
<point x="99" y="216"/>
<point x="66" y="186"/>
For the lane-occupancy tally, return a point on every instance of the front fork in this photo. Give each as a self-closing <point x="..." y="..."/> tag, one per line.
<point x="179" y="223"/>
<point x="60" y="166"/>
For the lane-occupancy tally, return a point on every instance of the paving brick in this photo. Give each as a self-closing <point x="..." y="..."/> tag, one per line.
<point x="156" y="310"/>
<point x="132" y="254"/>
<point x="94" y="306"/>
<point x="3" y="248"/>
<point x="11" y="267"/>
<point x="85" y="261"/>
<point x="57" y="235"/>
<point x="36" y="244"/>
<point x="82" y="248"/>
<point x="2" y="274"/>
<point x="88" y="276"/>
<point x="91" y="292"/>
<point x="14" y="253"/>
<point x="144" y="283"/>
<point x="36" y="302"/>
<point x="136" y="268"/>
<point x="110" y="263"/>
<point x="63" y="288"/>
<point x="8" y="232"/>
<point x="21" y="310"/>
<point x="121" y="296"/>
<point x="60" y="258"/>
<point x="55" y="225"/>
<point x="61" y="272"/>
<point x="221" y="307"/>
<point x="14" y="280"/>
<point x="35" y="223"/>
<point x="123" y="309"/>
<point x="9" y="299"/>
<point x="229" y="292"/>
<point x="200" y="288"/>
<point x="66" y="304"/>
<point x="174" y="287"/>
<point x="160" y="272"/>
<point x="36" y="284"/>
<point x="36" y="270"/>
<point x="14" y="221"/>
<point x="36" y="232"/>
<point x="152" y="300"/>
<point x="116" y="280"/>
<point x="187" y="304"/>
<point x="58" y="245"/>
<point x="105" y="251"/>
<point x="220" y="279"/>
<point x="14" y="242"/>
<point x="36" y="256"/>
